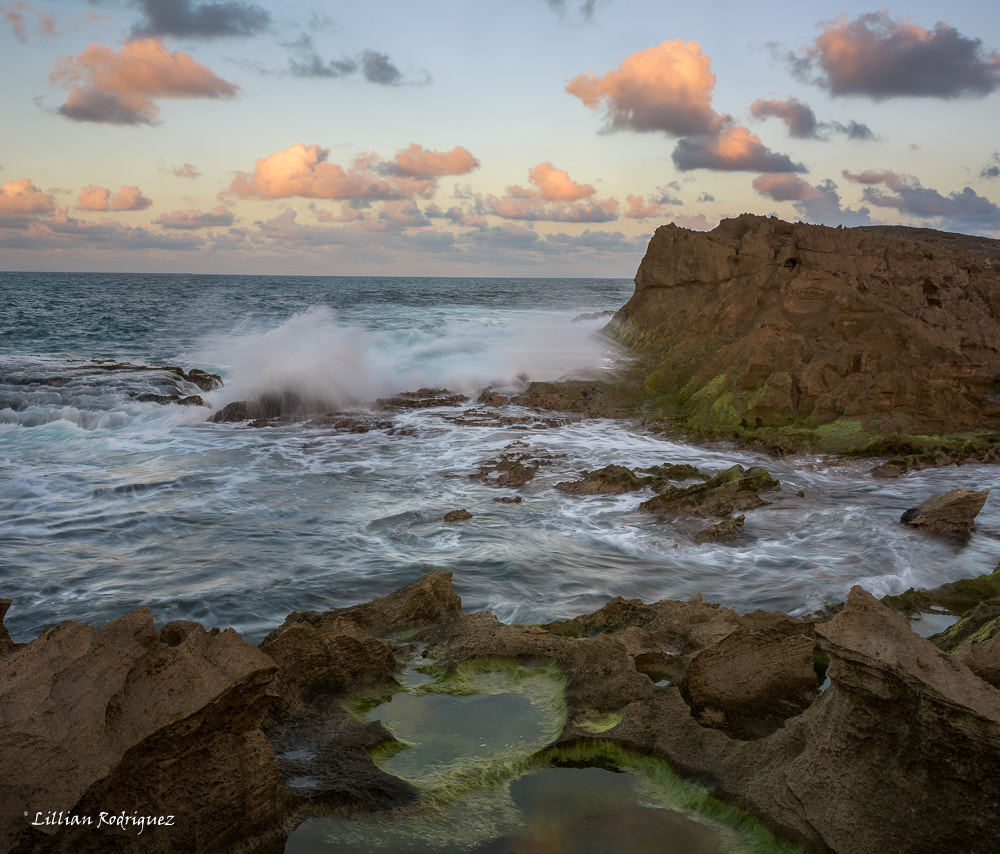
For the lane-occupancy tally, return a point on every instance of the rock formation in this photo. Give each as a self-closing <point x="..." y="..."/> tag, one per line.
<point x="128" y="720"/>
<point x="899" y="750"/>
<point x="761" y="324"/>
<point x="947" y="512"/>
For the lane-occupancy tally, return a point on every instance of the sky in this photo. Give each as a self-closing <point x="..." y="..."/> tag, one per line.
<point x="475" y="138"/>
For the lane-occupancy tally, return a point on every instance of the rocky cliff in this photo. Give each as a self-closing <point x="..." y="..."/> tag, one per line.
<point x="764" y="325"/>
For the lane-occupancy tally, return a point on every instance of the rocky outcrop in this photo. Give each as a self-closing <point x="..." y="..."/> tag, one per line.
<point x="129" y="721"/>
<point x="761" y="325"/>
<point x="733" y="489"/>
<point x="947" y="512"/>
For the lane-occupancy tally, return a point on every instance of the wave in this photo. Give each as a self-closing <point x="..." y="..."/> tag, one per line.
<point x="319" y="358"/>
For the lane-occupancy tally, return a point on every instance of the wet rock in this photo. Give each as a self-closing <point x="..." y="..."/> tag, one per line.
<point x="125" y="717"/>
<point x="189" y="400"/>
<point x="351" y="422"/>
<point x="511" y="499"/>
<point x="660" y="477"/>
<point x="610" y="480"/>
<point x="975" y="626"/>
<point x="722" y="532"/>
<point x="203" y="379"/>
<point x="515" y="466"/>
<point x="6" y="644"/>
<point x="947" y="512"/>
<point x="491" y="397"/>
<point x="532" y="420"/>
<point x="731" y="490"/>
<point x="424" y="398"/>
<point x="457" y="515"/>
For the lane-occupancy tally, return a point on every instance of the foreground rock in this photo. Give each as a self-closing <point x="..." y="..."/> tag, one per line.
<point x="763" y="328"/>
<point x="900" y="751"/>
<point x="948" y="512"/>
<point x="129" y="720"/>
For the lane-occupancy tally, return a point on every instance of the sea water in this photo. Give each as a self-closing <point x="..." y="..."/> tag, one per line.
<point x="108" y="502"/>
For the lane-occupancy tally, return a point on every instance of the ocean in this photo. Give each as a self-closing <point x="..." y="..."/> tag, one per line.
<point x="109" y="500"/>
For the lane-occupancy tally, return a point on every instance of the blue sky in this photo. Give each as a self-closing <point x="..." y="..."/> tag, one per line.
<point x="531" y="137"/>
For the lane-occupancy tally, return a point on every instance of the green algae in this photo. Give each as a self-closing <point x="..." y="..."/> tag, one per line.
<point x="596" y="723"/>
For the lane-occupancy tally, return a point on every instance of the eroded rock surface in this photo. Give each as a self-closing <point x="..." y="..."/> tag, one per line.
<point x="761" y="323"/>
<point x="127" y="718"/>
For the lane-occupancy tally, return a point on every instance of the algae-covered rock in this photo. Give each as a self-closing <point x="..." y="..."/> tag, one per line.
<point x="730" y="490"/>
<point x="610" y="480"/>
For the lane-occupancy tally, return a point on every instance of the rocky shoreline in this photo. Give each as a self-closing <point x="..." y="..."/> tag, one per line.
<point x="845" y="732"/>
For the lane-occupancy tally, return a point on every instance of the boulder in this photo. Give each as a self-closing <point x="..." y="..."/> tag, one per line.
<point x="947" y="512"/>
<point x="125" y="718"/>
<point x="762" y="325"/>
<point x="457" y="515"/>
<point x="730" y="490"/>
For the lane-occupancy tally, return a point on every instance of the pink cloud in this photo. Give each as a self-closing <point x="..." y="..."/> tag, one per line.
<point x="555" y="185"/>
<point x="733" y="148"/>
<point x="877" y="56"/>
<point x="785" y="187"/>
<point x="120" y="87"/>
<point x="23" y="197"/>
<point x="422" y="163"/>
<point x="666" y="88"/>
<point x="17" y="15"/>
<point x="191" y="220"/>
<point x="639" y="208"/>
<point x="893" y="180"/>
<point x="303" y="170"/>
<point x="555" y="197"/>
<point x="93" y="198"/>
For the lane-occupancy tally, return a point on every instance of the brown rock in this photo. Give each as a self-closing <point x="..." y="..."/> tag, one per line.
<point x="761" y="322"/>
<point x="734" y="489"/>
<point x="749" y="683"/>
<point x="457" y="515"/>
<point x="610" y="480"/>
<point x="128" y="718"/>
<point x="945" y="512"/>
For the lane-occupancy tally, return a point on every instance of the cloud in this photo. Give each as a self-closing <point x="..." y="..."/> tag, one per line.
<point x="732" y="149"/>
<point x="23" y="197"/>
<point x="639" y="208"/>
<point x="799" y="117"/>
<point x="18" y="15"/>
<point x="205" y="20"/>
<point x="697" y="223"/>
<point x="963" y="210"/>
<point x="374" y="66"/>
<point x="554" y="197"/>
<point x="667" y="89"/>
<point x="191" y="220"/>
<point x="878" y="57"/>
<point x="303" y="170"/>
<point x="819" y="203"/>
<point x="802" y="122"/>
<point x="120" y="87"/>
<point x="419" y="162"/>
<point x="94" y="198"/>
<point x="992" y="169"/>
<point x="586" y="8"/>
<point x="185" y="170"/>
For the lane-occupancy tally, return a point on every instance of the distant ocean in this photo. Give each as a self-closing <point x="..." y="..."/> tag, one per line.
<point x="108" y="502"/>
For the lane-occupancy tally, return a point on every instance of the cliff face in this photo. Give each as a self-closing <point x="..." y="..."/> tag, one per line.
<point x="765" y="324"/>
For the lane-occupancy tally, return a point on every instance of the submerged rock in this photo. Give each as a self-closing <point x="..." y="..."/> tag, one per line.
<point x="424" y="398"/>
<point x="947" y="512"/>
<point x="722" y="532"/>
<point x="457" y="515"/>
<point x="610" y="480"/>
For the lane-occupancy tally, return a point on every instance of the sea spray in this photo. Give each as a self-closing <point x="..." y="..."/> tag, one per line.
<point x="327" y="363"/>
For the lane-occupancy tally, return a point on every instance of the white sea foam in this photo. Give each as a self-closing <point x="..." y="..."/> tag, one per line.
<point x="316" y="356"/>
